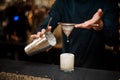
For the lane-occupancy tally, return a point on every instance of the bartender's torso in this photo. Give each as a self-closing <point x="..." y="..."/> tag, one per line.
<point x="86" y="44"/>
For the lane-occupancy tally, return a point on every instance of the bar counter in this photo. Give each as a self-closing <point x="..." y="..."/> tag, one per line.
<point x="53" y="71"/>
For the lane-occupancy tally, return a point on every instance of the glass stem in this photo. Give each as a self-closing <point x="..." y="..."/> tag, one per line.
<point x="67" y="39"/>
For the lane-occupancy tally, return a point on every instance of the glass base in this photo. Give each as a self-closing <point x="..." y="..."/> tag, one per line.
<point x="65" y="70"/>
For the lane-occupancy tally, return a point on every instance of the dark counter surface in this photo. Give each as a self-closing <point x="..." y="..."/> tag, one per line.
<point x="54" y="72"/>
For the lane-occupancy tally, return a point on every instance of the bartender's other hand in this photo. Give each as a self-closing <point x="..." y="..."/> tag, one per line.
<point x="96" y="19"/>
<point x="39" y="34"/>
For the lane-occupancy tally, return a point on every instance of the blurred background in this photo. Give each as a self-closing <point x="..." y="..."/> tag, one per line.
<point x="21" y="18"/>
<point x="18" y="20"/>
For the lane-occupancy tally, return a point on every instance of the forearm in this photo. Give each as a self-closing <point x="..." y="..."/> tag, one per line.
<point x="44" y="24"/>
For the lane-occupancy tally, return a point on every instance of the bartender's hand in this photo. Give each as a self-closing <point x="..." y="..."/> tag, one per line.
<point x="95" y="22"/>
<point x="39" y="34"/>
